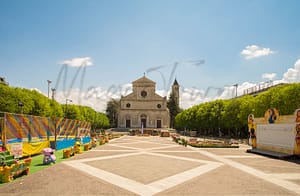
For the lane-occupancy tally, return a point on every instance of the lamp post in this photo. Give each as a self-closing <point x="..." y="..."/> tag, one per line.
<point x="66" y="112"/>
<point x="49" y="82"/>
<point x="53" y="93"/>
<point x="53" y="116"/>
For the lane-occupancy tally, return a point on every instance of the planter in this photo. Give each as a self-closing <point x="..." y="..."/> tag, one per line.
<point x="27" y="161"/>
<point x="86" y="147"/>
<point x="94" y="143"/>
<point x="66" y="153"/>
<point x="164" y="134"/>
<point x="212" y="146"/>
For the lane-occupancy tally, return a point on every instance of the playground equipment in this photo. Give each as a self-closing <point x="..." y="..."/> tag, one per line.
<point x="94" y="142"/>
<point x="35" y="133"/>
<point x="49" y="156"/>
<point x="77" y="147"/>
<point x="275" y="135"/>
<point x="11" y="168"/>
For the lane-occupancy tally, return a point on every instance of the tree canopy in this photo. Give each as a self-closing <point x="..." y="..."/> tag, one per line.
<point x="174" y="109"/>
<point x="230" y="116"/>
<point x="31" y="102"/>
<point x="112" y="110"/>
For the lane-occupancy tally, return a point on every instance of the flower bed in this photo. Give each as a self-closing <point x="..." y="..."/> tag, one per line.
<point x="164" y="134"/>
<point x="145" y="135"/>
<point x="176" y="138"/>
<point x="194" y="142"/>
<point x="212" y="145"/>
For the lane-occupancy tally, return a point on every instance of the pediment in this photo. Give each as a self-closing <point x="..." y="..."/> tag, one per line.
<point x="143" y="80"/>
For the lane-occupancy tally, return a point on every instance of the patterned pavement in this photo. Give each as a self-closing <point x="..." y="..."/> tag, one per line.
<point x="133" y="165"/>
<point x="155" y="165"/>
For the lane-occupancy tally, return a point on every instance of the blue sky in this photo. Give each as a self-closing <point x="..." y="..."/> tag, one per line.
<point x="238" y="40"/>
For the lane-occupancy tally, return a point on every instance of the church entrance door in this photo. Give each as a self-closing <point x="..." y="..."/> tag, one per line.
<point x="143" y="122"/>
<point x="158" y="124"/>
<point x="128" y="123"/>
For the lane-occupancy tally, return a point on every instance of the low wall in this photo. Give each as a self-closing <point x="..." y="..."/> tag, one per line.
<point x="276" y="133"/>
<point x="276" y="137"/>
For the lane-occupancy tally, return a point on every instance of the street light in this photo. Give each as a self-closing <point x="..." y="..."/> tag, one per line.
<point x="66" y="112"/>
<point x="54" y="117"/>
<point x="53" y="93"/>
<point x="49" y="82"/>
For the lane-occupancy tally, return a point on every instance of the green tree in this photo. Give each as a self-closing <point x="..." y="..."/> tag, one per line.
<point x="112" y="109"/>
<point x="41" y="104"/>
<point x="8" y="102"/>
<point x="35" y="103"/>
<point x="101" y="121"/>
<point x="231" y="115"/>
<point x="56" y="109"/>
<point x="72" y="111"/>
<point x="174" y="109"/>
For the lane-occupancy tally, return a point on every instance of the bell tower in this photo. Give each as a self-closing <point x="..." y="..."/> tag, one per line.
<point x="175" y="91"/>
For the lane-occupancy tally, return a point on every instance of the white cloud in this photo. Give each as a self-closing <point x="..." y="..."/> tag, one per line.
<point x="97" y="97"/>
<point x="94" y="97"/>
<point x="292" y="74"/>
<point x="77" y="62"/>
<point x="230" y="91"/>
<point x="254" y="51"/>
<point x="35" y="89"/>
<point x="269" y="76"/>
<point x="194" y="96"/>
<point x="191" y="96"/>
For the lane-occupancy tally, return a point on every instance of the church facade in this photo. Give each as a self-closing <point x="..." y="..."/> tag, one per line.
<point x="143" y="107"/>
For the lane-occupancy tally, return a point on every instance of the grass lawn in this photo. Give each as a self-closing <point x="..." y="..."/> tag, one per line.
<point x="37" y="161"/>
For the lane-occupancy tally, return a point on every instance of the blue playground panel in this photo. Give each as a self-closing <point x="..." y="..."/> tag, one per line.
<point x="67" y="143"/>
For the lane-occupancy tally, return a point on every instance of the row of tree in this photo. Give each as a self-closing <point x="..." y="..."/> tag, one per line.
<point x="229" y="117"/>
<point x="31" y="102"/>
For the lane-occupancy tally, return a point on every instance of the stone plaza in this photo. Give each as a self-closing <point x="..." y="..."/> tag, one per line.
<point x="136" y="165"/>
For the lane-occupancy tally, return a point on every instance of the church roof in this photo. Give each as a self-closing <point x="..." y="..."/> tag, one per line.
<point x="175" y="82"/>
<point x="143" y="79"/>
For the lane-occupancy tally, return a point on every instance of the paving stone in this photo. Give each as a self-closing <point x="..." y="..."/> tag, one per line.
<point x="134" y="165"/>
